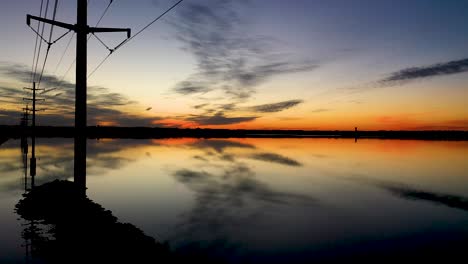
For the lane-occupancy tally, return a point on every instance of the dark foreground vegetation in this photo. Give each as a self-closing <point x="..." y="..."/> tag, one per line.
<point x="62" y="225"/>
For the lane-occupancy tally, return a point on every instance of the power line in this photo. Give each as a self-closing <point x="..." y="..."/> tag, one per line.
<point x="40" y="44"/>
<point x="64" y="52"/>
<point x="61" y="79"/>
<point x="66" y="48"/>
<point x="104" y="13"/>
<point x="152" y="22"/>
<point x="35" y="45"/>
<point x="129" y="39"/>
<point x="53" y="18"/>
<point x="49" y="44"/>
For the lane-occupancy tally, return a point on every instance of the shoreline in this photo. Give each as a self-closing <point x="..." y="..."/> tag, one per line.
<point x="148" y="132"/>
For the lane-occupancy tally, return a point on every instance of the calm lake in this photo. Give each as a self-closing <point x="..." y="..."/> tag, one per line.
<point x="258" y="200"/>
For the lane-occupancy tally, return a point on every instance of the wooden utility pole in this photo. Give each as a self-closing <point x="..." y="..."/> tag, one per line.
<point x="34" y="99"/>
<point x="82" y="30"/>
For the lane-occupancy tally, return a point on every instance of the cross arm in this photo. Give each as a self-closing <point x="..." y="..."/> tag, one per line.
<point x="96" y="30"/>
<point x="48" y="21"/>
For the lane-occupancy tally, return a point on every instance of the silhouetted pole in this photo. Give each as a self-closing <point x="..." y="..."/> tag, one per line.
<point x="32" y="170"/>
<point x="82" y="30"/>
<point x="34" y="106"/>
<point x="80" y="162"/>
<point x="34" y="99"/>
<point x="24" y="151"/>
<point x="355" y="134"/>
<point x="81" y="65"/>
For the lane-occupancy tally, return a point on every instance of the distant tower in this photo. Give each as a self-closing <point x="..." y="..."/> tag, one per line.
<point x="355" y="134"/>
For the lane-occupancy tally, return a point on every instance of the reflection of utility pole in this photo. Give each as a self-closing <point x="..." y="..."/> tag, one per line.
<point x="82" y="30"/>
<point x="24" y="154"/>
<point x="80" y="162"/>
<point x="30" y="228"/>
<point x="34" y="99"/>
<point x="32" y="170"/>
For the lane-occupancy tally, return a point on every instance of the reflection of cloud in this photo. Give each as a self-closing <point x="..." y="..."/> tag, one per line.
<point x="228" y="198"/>
<point x="224" y="201"/>
<point x="448" y="200"/>
<point x="236" y="184"/>
<point x="102" y="104"/>
<point x="410" y="193"/>
<point x="276" y="158"/>
<point x="219" y="119"/>
<point x="220" y="145"/>
<point x="275" y="107"/>
<point x="58" y="162"/>
<point x="227" y="59"/>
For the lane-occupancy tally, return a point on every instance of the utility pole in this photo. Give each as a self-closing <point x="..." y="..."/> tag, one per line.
<point x="34" y="99"/>
<point x="82" y="30"/>
<point x="25" y="118"/>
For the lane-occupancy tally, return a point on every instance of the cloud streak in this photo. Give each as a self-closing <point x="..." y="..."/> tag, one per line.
<point x="275" y="107"/>
<point x="227" y="60"/>
<point x="452" y="201"/>
<point x="276" y="158"/>
<point x="435" y="70"/>
<point x="219" y="119"/>
<point x="103" y="105"/>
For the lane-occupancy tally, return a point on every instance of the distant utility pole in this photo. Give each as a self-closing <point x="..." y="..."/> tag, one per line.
<point x="34" y="99"/>
<point x="25" y="118"/>
<point x="82" y="30"/>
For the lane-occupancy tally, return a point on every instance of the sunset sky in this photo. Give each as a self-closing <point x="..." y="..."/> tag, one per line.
<point x="253" y="64"/>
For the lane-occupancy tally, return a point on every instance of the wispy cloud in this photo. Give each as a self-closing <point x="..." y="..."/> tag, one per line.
<point x="439" y="69"/>
<point x="275" y="107"/>
<point x="103" y="105"/>
<point x="228" y="60"/>
<point x="231" y="113"/>
<point x="320" y="110"/>
<point x="219" y="119"/>
<point x="412" y="74"/>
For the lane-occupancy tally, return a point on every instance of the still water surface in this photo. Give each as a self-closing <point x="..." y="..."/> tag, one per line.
<point x="262" y="200"/>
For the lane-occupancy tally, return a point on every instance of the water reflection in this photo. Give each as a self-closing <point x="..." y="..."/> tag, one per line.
<point x="62" y="225"/>
<point x="238" y="200"/>
<point x="410" y="193"/>
<point x="276" y="158"/>
<point x="65" y="226"/>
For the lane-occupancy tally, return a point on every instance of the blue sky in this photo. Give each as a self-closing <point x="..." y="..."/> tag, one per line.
<point x="330" y="56"/>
